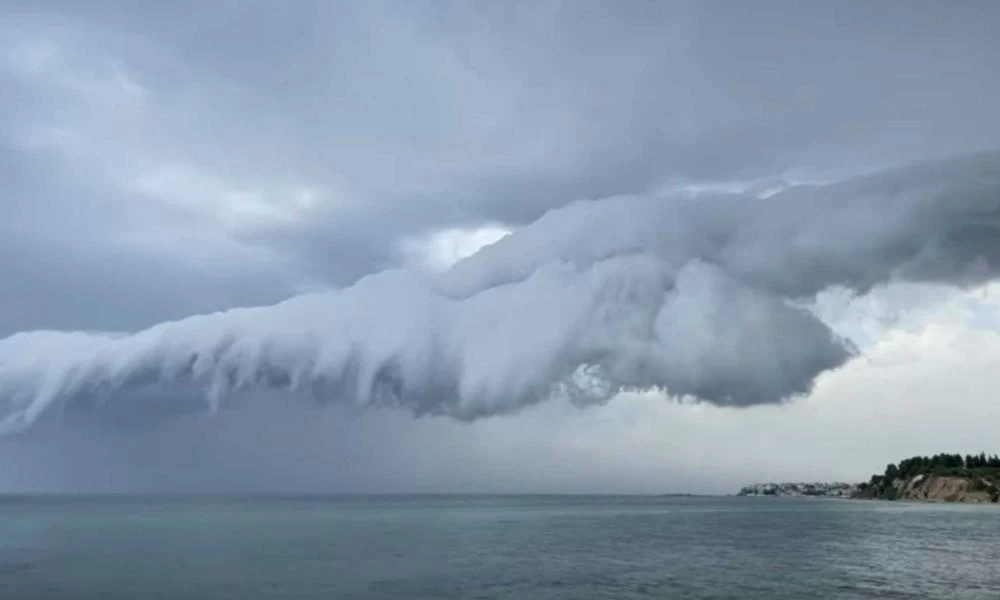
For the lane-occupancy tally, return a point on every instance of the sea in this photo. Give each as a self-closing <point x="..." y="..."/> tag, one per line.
<point x="491" y="547"/>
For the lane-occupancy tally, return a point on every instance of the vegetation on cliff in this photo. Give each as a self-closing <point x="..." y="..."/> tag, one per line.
<point x="949" y="477"/>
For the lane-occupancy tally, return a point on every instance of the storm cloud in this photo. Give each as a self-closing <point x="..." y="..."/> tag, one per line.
<point x="684" y="197"/>
<point x="247" y="152"/>
<point x="691" y="295"/>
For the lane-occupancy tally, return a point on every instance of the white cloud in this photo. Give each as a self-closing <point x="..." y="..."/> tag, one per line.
<point x="440" y="250"/>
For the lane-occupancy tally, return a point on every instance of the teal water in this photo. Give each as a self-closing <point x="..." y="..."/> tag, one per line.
<point x="495" y="547"/>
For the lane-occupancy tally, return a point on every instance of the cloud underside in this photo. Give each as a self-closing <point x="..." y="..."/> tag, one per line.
<point x="699" y="297"/>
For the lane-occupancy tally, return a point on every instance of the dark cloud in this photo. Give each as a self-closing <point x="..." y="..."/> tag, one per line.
<point x="408" y="117"/>
<point x="691" y="295"/>
<point x="165" y="159"/>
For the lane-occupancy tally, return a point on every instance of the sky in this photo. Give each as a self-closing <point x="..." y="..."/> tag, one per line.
<point x="709" y="205"/>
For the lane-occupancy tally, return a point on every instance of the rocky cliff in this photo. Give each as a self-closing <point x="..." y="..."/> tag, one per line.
<point x="935" y="488"/>
<point x="940" y="478"/>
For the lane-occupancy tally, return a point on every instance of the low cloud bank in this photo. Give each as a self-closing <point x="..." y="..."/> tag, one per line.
<point x="698" y="296"/>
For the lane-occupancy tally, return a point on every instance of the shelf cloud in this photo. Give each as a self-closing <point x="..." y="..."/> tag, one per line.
<point x="699" y="296"/>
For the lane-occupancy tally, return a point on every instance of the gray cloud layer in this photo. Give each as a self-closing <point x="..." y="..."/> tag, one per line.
<point x="242" y="150"/>
<point x="165" y="159"/>
<point x="691" y="295"/>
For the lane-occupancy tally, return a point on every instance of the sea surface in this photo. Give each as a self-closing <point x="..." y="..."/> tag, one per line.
<point x="439" y="547"/>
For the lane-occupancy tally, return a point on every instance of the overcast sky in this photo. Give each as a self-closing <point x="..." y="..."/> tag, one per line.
<point x="159" y="160"/>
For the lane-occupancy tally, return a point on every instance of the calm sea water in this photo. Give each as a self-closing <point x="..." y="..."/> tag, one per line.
<point x="495" y="547"/>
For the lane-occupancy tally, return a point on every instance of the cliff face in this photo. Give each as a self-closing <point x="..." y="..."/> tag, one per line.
<point x="941" y="488"/>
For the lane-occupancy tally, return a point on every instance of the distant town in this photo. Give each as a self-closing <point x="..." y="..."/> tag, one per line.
<point x="828" y="490"/>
